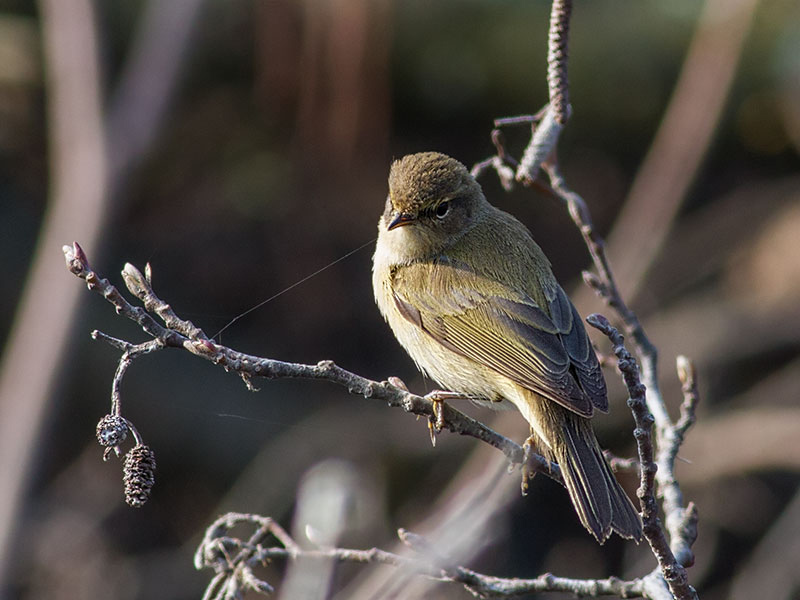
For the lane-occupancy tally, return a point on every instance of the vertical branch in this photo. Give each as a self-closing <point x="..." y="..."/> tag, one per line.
<point x="82" y="179"/>
<point x="680" y="521"/>
<point x="34" y="352"/>
<point x="671" y="568"/>
<point x="557" y="56"/>
<point x="547" y="126"/>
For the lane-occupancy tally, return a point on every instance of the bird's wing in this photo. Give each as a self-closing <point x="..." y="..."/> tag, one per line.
<point x="507" y="331"/>
<point x="583" y="360"/>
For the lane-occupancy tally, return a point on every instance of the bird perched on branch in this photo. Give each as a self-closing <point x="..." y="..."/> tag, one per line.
<point x="473" y="300"/>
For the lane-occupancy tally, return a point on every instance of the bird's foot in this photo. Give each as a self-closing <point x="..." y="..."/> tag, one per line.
<point x="436" y="421"/>
<point x="528" y="448"/>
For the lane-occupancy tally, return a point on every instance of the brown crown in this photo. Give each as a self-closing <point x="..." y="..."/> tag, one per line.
<point x="417" y="180"/>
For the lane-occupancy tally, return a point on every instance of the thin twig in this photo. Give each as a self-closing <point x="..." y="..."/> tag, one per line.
<point x="86" y="167"/>
<point x="132" y="352"/>
<point x="681" y="522"/>
<point x="688" y="378"/>
<point x="549" y="122"/>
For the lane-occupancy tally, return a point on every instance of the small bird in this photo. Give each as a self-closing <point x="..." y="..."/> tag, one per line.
<point x="472" y="298"/>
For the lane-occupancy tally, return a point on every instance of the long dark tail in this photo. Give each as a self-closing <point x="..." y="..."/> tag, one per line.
<point x="601" y="504"/>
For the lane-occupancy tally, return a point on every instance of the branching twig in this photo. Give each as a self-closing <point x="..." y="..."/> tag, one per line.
<point x="681" y="522"/>
<point x="645" y="395"/>
<point x="673" y="572"/>
<point x="233" y="560"/>
<point x="669" y="436"/>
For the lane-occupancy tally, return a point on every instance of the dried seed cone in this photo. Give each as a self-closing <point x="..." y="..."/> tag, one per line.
<point x="111" y="430"/>
<point x="139" y="475"/>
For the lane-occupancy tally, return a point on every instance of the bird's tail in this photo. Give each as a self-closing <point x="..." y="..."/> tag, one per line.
<point x="602" y="505"/>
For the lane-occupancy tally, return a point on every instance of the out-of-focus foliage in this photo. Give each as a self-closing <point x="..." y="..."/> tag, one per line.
<point x="271" y="164"/>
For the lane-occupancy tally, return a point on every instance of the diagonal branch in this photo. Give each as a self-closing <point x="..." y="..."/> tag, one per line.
<point x="179" y="333"/>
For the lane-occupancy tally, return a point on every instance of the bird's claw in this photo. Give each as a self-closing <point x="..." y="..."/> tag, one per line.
<point x="436" y="421"/>
<point x="527" y="472"/>
<point x="432" y="431"/>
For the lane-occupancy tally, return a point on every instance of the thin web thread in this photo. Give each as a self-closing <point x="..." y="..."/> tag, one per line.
<point x="291" y="287"/>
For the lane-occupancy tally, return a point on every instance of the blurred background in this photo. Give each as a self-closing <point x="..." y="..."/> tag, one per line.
<point x="241" y="146"/>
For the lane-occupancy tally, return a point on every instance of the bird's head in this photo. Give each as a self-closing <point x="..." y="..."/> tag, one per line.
<point x="433" y="199"/>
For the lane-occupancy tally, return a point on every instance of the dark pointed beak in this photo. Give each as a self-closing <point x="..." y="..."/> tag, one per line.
<point x="400" y="219"/>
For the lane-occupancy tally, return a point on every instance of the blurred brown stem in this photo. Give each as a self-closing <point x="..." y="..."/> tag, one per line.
<point x="681" y="142"/>
<point x="33" y="356"/>
<point x="89" y="157"/>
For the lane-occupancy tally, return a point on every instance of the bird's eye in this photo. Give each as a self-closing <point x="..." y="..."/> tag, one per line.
<point x="442" y="209"/>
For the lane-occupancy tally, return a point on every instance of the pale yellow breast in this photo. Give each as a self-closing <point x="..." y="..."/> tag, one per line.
<point x="450" y="370"/>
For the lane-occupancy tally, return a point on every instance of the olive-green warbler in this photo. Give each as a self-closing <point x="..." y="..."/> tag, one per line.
<point x="473" y="300"/>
